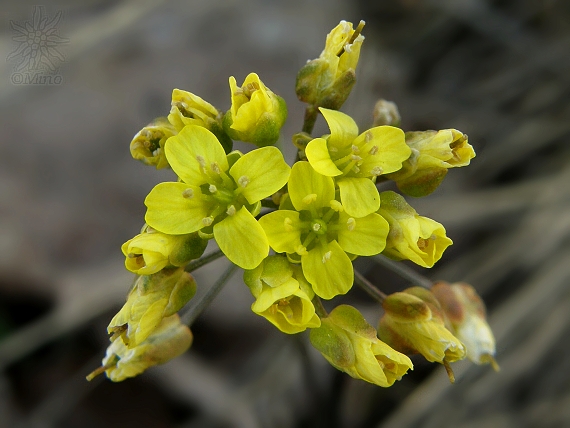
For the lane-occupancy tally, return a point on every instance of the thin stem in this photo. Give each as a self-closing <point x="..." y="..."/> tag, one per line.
<point x="404" y="271"/>
<point x="194" y="311"/>
<point x="367" y="286"/>
<point x="319" y="308"/>
<point x="311" y="114"/>
<point x="195" y="264"/>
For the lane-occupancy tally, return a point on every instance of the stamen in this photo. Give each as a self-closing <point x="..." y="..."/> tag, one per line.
<point x="376" y="171"/>
<point x="327" y="256"/>
<point x="309" y="198"/>
<point x="250" y="88"/>
<point x="216" y="168"/>
<point x="337" y="206"/>
<point x="213" y="189"/>
<point x="351" y="224"/>
<point x="188" y="193"/>
<point x="449" y="371"/>
<point x="368" y="136"/>
<point x="231" y="210"/>
<point x="422" y="243"/>
<point x="355" y="149"/>
<point x="243" y="181"/>
<point x="288" y="224"/>
<point x="201" y="161"/>
<point x="207" y="221"/>
<point x="355" y="169"/>
<point x="373" y="150"/>
<point x="356" y="158"/>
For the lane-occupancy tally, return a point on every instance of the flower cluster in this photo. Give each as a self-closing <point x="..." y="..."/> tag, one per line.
<point x="296" y="230"/>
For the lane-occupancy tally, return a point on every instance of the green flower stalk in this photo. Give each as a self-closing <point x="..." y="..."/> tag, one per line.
<point x="217" y="194"/>
<point x="257" y="114"/>
<point x="356" y="160"/>
<point x="283" y="295"/>
<point x="152" y="298"/>
<point x="147" y="145"/>
<point x="169" y="340"/>
<point x="412" y="237"/>
<point x="433" y="153"/>
<point x="350" y="344"/>
<point x="312" y="227"/>
<point x="151" y="251"/>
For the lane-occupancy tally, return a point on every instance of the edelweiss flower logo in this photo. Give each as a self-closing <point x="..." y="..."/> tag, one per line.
<point x="38" y="42"/>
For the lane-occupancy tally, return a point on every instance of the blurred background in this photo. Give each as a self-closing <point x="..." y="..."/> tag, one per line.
<point x="70" y="195"/>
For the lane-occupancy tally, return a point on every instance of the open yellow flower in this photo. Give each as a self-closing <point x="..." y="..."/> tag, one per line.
<point x="356" y="160"/>
<point x="312" y="228"/>
<point x="217" y="195"/>
<point x="350" y="344"/>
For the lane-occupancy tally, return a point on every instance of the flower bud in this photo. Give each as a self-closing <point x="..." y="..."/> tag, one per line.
<point x="413" y="323"/>
<point x="148" y="144"/>
<point x="151" y="251"/>
<point x="433" y="153"/>
<point x="350" y="344"/>
<point x="152" y="298"/>
<point x="411" y="237"/>
<point x="465" y="312"/>
<point x="283" y="295"/>
<point x="328" y="80"/>
<point x="190" y="109"/>
<point x="169" y="340"/>
<point x="386" y="113"/>
<point x="256" y="115"/>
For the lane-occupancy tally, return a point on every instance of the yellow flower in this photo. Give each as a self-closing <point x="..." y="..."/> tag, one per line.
<point x="411" y="237"/>
<point x="151" y="251"/>
<point x="190" y="109"/>
<point x="169" y="340"/>
<point x="283" y="295"/>
<point x="350" y="344"/>
<point x="433" y="153"/>
<point x="465" y="312"/>
<point x="256" y="115"/>
<point x="413" y="322"/>
<point x="152" y="298"/>
<point x="148" y="144"/>
<point x="328" y="80"/>
<point x="356" y="160"/>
